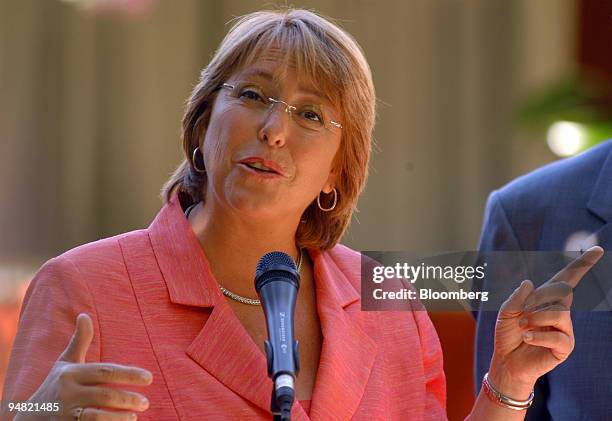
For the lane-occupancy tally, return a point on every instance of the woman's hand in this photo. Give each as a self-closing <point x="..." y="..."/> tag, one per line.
<point x="534" y="331"/>
<point x="77" y="384"/>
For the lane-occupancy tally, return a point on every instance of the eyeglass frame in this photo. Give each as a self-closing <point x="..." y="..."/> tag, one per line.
<point x="288" y="107"/>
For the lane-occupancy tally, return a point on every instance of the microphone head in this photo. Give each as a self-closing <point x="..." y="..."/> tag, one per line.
<point x="275" y="258"/>
<point x="270" y="264"/>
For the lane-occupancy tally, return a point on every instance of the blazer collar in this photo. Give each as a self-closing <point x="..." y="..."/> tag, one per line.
<point x="225" y="349"/>
<point x="181" y="259"/>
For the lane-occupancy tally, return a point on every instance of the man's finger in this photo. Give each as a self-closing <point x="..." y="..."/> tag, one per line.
<point x="81" y="339"/>
<point x="575" y="271"/>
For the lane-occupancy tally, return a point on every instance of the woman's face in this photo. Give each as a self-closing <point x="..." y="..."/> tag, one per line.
<point x="260" y="160"/>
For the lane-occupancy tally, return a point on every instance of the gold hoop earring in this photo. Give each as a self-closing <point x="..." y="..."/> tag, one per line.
<point x="333" y="206"/>
<point x="194" y="161"/>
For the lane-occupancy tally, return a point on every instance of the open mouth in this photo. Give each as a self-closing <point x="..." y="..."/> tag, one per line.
<point x="259" y="167"/>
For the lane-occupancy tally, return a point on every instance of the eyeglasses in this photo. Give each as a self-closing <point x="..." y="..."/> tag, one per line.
<point x="308" y="116"/>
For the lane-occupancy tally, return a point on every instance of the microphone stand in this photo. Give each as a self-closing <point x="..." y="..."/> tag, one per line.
<point x="276" y="415"/>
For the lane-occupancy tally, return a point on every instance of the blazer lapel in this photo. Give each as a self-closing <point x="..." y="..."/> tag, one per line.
<point x="225" y="350"/>
<point x="600" y="204"/>
<point x="348" y="353"/>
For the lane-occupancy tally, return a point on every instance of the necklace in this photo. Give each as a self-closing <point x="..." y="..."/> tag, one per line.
<point x="252" y="301"/>
<point x="233" y="295"/>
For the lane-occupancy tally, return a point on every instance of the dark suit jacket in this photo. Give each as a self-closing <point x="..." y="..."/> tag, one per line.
<point x="542" y="211"/>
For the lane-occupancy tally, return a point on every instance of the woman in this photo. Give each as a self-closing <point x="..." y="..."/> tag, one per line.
<point x="276" y="136"/>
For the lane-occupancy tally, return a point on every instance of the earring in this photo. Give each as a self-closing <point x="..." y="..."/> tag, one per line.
<point x="195" y="162"/>
<point x="333" y="206"/>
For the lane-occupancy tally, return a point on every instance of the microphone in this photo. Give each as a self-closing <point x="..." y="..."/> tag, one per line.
<point x="277" y="282"/>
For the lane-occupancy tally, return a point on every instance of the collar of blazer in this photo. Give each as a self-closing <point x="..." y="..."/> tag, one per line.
<point x="225" y="349"/>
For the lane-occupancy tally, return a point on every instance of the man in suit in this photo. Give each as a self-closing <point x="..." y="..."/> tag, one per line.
<point x="566" y="205"/>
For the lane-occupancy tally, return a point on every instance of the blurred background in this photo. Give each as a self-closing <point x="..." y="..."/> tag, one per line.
<point x="471" y="94"/>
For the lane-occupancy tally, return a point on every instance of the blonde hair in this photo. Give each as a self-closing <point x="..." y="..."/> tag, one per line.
<point x="333" y="60"/>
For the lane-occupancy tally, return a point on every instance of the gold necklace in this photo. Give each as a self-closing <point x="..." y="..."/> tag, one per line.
<point x="252" y="301"/>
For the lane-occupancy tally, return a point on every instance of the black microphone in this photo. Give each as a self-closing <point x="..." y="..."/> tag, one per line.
<point x="277" y="282"/>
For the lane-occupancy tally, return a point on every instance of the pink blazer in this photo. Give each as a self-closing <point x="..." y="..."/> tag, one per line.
<point x="155" y="304"/>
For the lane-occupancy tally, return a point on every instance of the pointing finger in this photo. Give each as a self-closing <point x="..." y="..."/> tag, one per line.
<point x="574" y="271"/>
